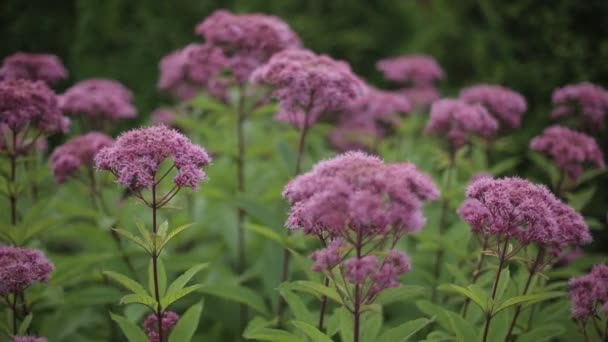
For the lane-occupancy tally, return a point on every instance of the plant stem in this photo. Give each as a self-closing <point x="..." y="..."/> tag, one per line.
<point x="240" y="169"/>
<point x="323" y="306"/>
<point x="13" y="178"/>
<point x="159" y="312"/>
<point x="476" y="274"/>
<point x="501" y="263"/>
<point x="442" y="227"/>
<point x="357" y="303"/>
<point x="285" y="270"/>
<point x="14" y="308"/>
<point x="533" y="270"/>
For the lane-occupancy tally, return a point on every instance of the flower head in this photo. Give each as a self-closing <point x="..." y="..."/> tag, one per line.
<point x="137" y="155"/>
<point x="98" y="99"/>
<point x="183" y="73"/>
<point x="588" y="100"/>
<point x="504" y="104"/>
<point x="164" y="116"/>
<point x="248" y="40"/>
<point x="169" y="319"/>
<point x="421" y="97"/>
<point x="34" y="67"/>
<point x="529" y="213"/>
<point x="30" y="104"/>
<point x="76" y="153"/>
<point x="569" y="149"/>
<point x="589" y="292"/>
<point x="327" y="258"/>
<point x="458" y="119"/>
<point x="308" y="85"/>
<point x="418" y="70"/>
<point x="22" y="267"/>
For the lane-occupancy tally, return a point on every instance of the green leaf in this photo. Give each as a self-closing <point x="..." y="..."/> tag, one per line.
<point x="503" y="283"/>
<point x="161" y="276"/>
<point x="504" y="166"/>
<point x="464" y="331"/>
<point x="126" y="282"/>
<point x="346" y="324"/>
<point x="183" y="279"/>
<point x="187" y="324"/>
<point x="172" y="234"/>
<point x="400" y="294"/>
<point x="131" y="331"/>
<point x="135" y="239"/>
<point x="162" y="229"/>
<point x="297" y="306"/>
<point x="175" y="296"/>
<point x="238" y="294"/>
<point x="580" y="199"/>
<point x="371" y="323"/>
<point x="139" y="299"/>
<point x="433" y="310"/>
<point x="542" y="333"/>
<point x="144" y="233"/>
<point x="404" y="331"/>
<point x="452" y="288"/>
<point x="273" y="335"/>
<point x="25" y="324"/>
<point x="528" y="299"/>
<point x="310" y="287"/>
<point x="266" y="232"/>
<point x="311" y="331"/>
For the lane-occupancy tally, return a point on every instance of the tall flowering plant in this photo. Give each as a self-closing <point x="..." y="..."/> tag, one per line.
<point x="359" y="207"/>
<point x="136" y="160"/>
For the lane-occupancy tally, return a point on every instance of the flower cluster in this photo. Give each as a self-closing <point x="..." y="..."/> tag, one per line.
<point x="589" y="292"/>
<point x="506" y="105"/>
<point x="30" y="104"/>
<point x="421" y="97"/>
<point x="419" y="70"/>
<point x="77" y="152"/>
<point x="28" y="339"/>
<point x="168" y="321"/>
<point x="247" y="40"/>
<point x="22" y="267"/>
<point x="355" y="200"/>
<point x="368" y="117"/>
<point x="136" y="157"/>
<point x="308" y="85"/>
<point x="588" y="99"/>
<point x="183" y="73"/>
<point x="34" y="67"/>
<point x="513" y="208"/>
<point x="569" y="149"/>
<point x="457" y="120"/>
<point x="163" y="116"/>
<point x="98" y="99"/>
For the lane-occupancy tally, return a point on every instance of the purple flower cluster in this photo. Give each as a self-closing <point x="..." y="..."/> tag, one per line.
<point x="589" y="292"/>
<point x="418" y="70"/>
<point x="506" y="105"/>
<point x="569" y="149"/>
<point x="77" y="152"/>
<point x="356" y="200"/>
<point x="587" y="99"/>
<point x="28" y="339"/>
<point x="421" y="97"/>
<point x="247" y="40"/>
<point x="513" y="208"/>
<point x="183" y="73"/>
<point x="22" y="267"/>
<point x="308" y="85"/>
<point x="367" y="117"/>
<point x="30" y="104"/>
<point x="457" y="120"/>
<point x="34" y="67"/>
<point x="163" y="116"/>
<point x="137" y="155"/>
<point x="168" y="321"/>
<point x="99" y="99"/>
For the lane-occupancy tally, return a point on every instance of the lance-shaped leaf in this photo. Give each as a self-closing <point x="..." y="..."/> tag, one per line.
<point x="126" y="282"/>
<point x="311" y="331"/>
<point x="187" y="324"/>
<point x="313" y="288"/>
<point x="526" y="300"/>
<point x="404" y="331"/>
<point x="148" y="247"/>
<point x="139" y="299"/>
<point x="131" y="331"/>
<point x="476" y="298"/>
<point x="173" y="297"/>
<point x="183" y="279"/>
<point x="172" y="234"/>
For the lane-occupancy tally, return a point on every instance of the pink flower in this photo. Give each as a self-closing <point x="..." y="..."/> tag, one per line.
<point x="327" y="258"/>
<point x="589" y="292"/>
<point x="588" y="100"/>
<point x="248" y="40"/>
<point x="76" y="153"/>
<point x="529" y="213"/>
<point x="30" y="104"/>
<point x="137" y="155"/>
<point x="308" y="85"/>
<point x="163" y="116"/>
<point x="98" y="99"/>
<point x="569" y="149"/>
<point x="418" y="70"/>
<point x="421" y="97"/>
<point x="357" y="270"/>
<point x="169" y="319"/>
<point x="457" y="120"/>
<point x="34" y="67"/>
<point x="504" y="104"/>
<point x="22" y="267"/>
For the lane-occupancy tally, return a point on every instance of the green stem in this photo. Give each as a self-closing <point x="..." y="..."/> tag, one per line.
<point x="240" y="167"/>
<point x="13" y="178"/>
<point x="159" y="312"/>
<point x="488" y="315"/>
<point x="476" y="274"/>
